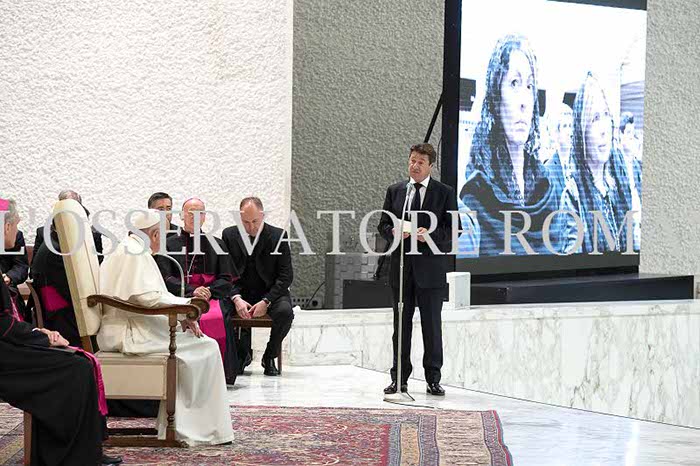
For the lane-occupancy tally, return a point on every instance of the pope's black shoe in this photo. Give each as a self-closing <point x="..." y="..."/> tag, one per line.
<point x="391" y="389"/>
<point x="270" y="367"/>
<point x="434" y="388"/>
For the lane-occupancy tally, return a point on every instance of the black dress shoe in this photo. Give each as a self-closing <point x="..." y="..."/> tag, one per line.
<point x="391" y="389"/>
<point x="246" y="362"/>
<point x="270" y="367"/>
<point x="110" y="459"/>
<point x="435" y="389"/>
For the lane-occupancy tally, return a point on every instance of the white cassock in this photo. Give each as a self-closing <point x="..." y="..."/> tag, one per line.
<point x="201" y="411"/>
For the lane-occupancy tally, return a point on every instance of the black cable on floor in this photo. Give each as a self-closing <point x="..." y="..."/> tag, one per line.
<point x="410" y="405"/>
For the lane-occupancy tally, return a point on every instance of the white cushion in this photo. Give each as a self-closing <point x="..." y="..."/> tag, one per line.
<point x="134" y="377"/>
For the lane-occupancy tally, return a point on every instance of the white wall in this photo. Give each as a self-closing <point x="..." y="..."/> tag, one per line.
<point x="123" y="98"/>
<point x="367" y="76"/>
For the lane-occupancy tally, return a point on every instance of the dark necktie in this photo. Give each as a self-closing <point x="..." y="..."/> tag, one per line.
<point x="415" y="205"/>
<point x="252" y="243"/>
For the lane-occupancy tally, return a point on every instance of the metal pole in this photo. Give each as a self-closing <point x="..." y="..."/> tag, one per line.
<point x="399" y="395"/>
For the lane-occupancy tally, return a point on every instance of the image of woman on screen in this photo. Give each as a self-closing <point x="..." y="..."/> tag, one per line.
<point x="599" y="178"/>
<point x="504" y="171"/>
<point x="561" y="122"/>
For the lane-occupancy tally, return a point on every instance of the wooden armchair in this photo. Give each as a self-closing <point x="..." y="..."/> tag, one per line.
<point x="126" y="377"/>
<point x="143" y="377"/>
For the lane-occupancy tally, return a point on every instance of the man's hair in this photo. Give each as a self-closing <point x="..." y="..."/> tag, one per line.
<point x="626" y="119"/>
<point x="69" y="194"/>
<point x="252" y="200"/>
<point x="12" y="214"/>
<point x="425" y="149"/>
<point x="155" y="197"/>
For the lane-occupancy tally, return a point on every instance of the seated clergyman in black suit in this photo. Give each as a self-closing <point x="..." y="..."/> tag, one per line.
<point x="424" y="273"/>
<point x="41" y="234"/>
<point x="14" y="266"/>
<point x="265" y="277"/>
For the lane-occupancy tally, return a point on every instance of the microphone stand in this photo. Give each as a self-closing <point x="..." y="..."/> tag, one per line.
<point x="400" y="396"/>
<point x="182" y="274"/>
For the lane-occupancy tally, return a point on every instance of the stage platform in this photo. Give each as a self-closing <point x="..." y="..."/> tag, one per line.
<point x="363" y="294"/>
<point x="636" y="359"/>
<point x="609" y="287"/>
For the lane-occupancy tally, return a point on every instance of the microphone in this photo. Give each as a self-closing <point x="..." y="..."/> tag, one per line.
<point x="409" y="188"/>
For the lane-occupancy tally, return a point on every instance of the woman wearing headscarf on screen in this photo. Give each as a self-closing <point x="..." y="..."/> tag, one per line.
<point x="504" y="172"/>
<point x="599" y="178"/>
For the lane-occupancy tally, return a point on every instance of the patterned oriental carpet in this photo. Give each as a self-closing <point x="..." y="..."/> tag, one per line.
<point x="279" y="436"/>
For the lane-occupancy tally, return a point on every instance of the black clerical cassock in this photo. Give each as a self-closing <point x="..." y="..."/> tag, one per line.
<point x="56" y="387"/>
<point x="51" y="284"/>
<point x="204" y="269"/>
<point x="15" y="264"/>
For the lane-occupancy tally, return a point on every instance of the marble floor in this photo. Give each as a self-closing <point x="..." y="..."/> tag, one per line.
<point x="536" y="434"/>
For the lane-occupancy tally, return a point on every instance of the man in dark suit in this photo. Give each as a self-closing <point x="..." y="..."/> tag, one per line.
<point x="163" y="202"/>
<point x="14" y="265"/>
<point x="265" y="277"/>
<point x="424" y="273"/>
<point x="96" y="235"/>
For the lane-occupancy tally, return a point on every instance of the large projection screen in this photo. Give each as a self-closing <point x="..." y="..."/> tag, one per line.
<point x="543" y="130"/>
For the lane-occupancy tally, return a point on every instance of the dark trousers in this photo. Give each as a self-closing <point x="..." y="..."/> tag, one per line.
<point x="231" y="362"/>
<point x="280" y="311"/>
<point x="429" y="302"/>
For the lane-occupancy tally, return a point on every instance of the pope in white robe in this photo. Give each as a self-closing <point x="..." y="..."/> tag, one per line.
<point x="130" y="273"/>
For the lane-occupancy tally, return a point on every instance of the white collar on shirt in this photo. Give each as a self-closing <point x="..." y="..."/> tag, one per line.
<point x="423" y="183"/>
